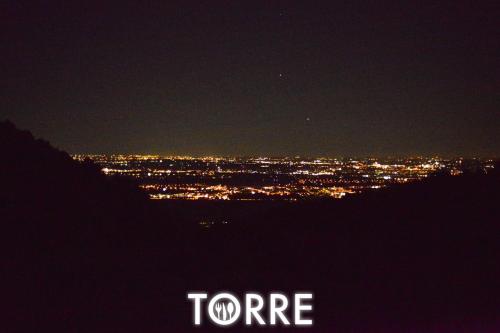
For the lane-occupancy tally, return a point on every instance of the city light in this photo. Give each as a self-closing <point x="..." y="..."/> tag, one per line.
<point x="265" y="178"/>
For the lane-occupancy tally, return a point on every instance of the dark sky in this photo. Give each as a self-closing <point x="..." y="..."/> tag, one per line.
<point x="248" y="77"/>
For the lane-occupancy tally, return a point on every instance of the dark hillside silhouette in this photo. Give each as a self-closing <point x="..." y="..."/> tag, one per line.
<point x="34" y="171"/>
<point x="82" y="252"/>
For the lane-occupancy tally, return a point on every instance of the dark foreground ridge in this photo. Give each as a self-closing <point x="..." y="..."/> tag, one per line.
<point x="87" y="253"/>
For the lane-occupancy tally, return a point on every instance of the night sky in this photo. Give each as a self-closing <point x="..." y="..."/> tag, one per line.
<point x="303" y="78"/>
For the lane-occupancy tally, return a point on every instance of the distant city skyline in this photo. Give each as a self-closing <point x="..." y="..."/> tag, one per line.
<point x="290" y="179"/>
<point x="303" y="156"/>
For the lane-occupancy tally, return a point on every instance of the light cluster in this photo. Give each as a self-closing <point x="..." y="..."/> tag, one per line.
<point x="265" y="178"/>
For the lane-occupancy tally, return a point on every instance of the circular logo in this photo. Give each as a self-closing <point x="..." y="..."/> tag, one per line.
<point x="224" y="309"/>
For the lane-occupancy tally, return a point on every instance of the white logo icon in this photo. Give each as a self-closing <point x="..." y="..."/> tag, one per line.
<point x="227" y="309"/>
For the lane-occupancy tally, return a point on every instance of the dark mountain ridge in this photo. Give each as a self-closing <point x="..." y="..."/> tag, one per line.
<point x="88" y="253"/>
